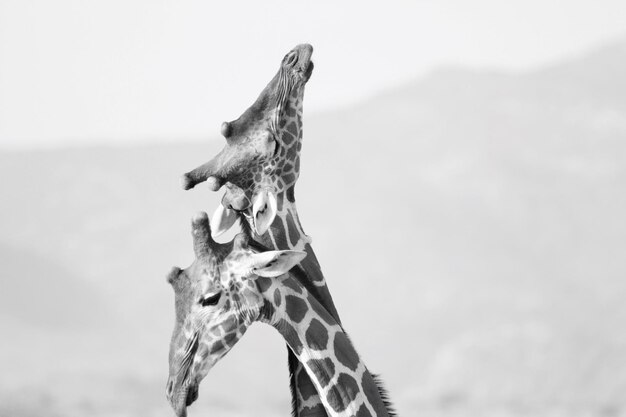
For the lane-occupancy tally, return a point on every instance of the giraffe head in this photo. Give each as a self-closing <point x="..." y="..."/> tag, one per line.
<point x="261" y="158"/>
<point x="216" y="300"/>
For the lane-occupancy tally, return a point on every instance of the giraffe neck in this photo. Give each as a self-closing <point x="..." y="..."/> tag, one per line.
<point x="345" y="386"/>
<point x="286" y="233"/>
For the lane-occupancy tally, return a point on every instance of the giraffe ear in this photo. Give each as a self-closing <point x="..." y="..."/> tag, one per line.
<point x="222" y="220"/>
<point x="276" y="262"/>
<point x="263" y="211"/>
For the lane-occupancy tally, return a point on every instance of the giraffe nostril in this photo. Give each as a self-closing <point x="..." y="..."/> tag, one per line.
<point x="170" y="387"/>
<point x="291" y="59"/>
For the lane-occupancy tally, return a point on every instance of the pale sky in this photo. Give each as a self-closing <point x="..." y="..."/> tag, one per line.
<point x="118" y="71"/>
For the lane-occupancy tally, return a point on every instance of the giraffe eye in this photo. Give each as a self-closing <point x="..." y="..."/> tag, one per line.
<point x="210" y="300"/>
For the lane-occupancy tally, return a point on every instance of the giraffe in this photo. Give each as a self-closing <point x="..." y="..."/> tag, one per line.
<point x="230" y="286"/>
<point x="259" y="167"/>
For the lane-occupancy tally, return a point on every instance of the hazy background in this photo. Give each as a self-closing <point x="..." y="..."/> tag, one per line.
<point x="463" y="180"/>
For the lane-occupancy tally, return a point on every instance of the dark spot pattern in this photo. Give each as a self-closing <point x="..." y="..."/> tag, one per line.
<point x="363" y="412"/>
<point x="216" y="347"/>
<point x="230" y="338"/>
<point x="296" y="308"/>
<point x="292" y="231"/>
<point x="281" y="241"/>
<point x="350" y="386"/>
<point x="289" y="178"/>
<point x="322" y="313"/>
<point x="313" y="259"/>
<point x="292" y="153"/>
<point x="305" y="385"/>
<point x="324" y="369"/>
<point x="263" y="283"/>
<point x="277" y="298"/>
<point x="344" y="351"/>
<point x="335" y="400"/>
<point x="229" y="324"/>
<point x="316" y="335"/>
<point x="293" y="285"/>
<point x="288" y="138"/>
<point x="267" y="311"/>
<point x="292" y="128"/>
<point x="340" y="398"/>
<point x="290" y="335"/>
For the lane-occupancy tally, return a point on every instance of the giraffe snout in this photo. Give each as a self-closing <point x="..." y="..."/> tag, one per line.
<point x="299" y="58"/>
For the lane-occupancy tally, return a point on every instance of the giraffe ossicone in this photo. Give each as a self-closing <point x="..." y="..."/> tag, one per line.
<point x="230" y="286"/>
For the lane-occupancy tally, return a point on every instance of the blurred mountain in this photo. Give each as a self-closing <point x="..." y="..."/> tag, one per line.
<point x="38" y="292"/>
<point x="470" y="225"/>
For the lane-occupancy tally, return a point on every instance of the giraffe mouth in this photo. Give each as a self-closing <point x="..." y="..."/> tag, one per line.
<point x="308" y="71"/>
<point x="188" y="397"/>
<point x="192" y="395"/>
<point x="182" y="387"/>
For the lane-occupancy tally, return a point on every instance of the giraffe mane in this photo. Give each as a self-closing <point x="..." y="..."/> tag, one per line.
<point x="292" y="363"/>
<point x="384" y="395"/>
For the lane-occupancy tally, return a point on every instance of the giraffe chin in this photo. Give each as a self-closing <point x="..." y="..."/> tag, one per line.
<point x="186" y="399"/>
<point x="307" y="72"/>
<point x="192" y="395"/>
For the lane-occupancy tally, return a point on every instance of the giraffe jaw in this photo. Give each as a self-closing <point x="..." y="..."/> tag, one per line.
<point x="183" y="399"/>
